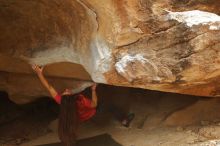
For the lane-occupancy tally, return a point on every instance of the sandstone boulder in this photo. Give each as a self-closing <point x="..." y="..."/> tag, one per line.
<point x="166" y="45"/>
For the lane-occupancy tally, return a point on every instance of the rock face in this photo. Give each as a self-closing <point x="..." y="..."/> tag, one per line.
<point x="166" y="45"/>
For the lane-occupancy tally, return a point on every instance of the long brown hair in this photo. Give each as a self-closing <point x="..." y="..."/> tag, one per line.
<point x="68" y="120"/>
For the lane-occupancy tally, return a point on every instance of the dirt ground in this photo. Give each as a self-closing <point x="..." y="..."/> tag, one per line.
<point x="36" y="123"/>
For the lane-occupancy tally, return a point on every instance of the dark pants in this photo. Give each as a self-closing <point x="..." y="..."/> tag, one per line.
<point x="116" y="111"/>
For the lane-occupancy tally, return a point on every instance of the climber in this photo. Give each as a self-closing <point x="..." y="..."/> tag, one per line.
<point x="74" y="109"/>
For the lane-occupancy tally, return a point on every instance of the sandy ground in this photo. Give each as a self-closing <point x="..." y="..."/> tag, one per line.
<point x="36" y="124"/>
<point x="133" y="136"/>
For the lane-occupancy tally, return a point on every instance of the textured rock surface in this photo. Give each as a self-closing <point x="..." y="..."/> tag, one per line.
<point x="195" y="113"/>
<point x="162" y="45"/>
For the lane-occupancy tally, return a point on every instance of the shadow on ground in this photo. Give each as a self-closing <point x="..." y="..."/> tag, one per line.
<point x="100" y="140"/>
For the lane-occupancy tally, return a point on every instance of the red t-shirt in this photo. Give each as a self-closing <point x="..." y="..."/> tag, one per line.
<point x="84" y="109"/>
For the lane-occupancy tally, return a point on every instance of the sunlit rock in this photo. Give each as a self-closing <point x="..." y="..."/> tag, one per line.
<point x="162" y="45"/>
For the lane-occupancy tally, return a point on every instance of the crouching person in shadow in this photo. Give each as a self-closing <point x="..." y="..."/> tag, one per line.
<point x="76" y="107"/>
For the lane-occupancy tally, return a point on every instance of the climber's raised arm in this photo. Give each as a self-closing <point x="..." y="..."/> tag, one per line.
<point x="39" y="71"/>
<point x="94" y="96"/>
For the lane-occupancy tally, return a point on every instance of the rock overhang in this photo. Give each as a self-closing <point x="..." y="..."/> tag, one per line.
<point x="172" y="46"/>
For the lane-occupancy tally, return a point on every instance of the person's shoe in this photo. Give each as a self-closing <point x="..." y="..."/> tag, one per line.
<point x="126" y="122"/>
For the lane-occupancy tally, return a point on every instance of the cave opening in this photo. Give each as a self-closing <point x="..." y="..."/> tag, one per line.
<point x="23" y="124"/>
